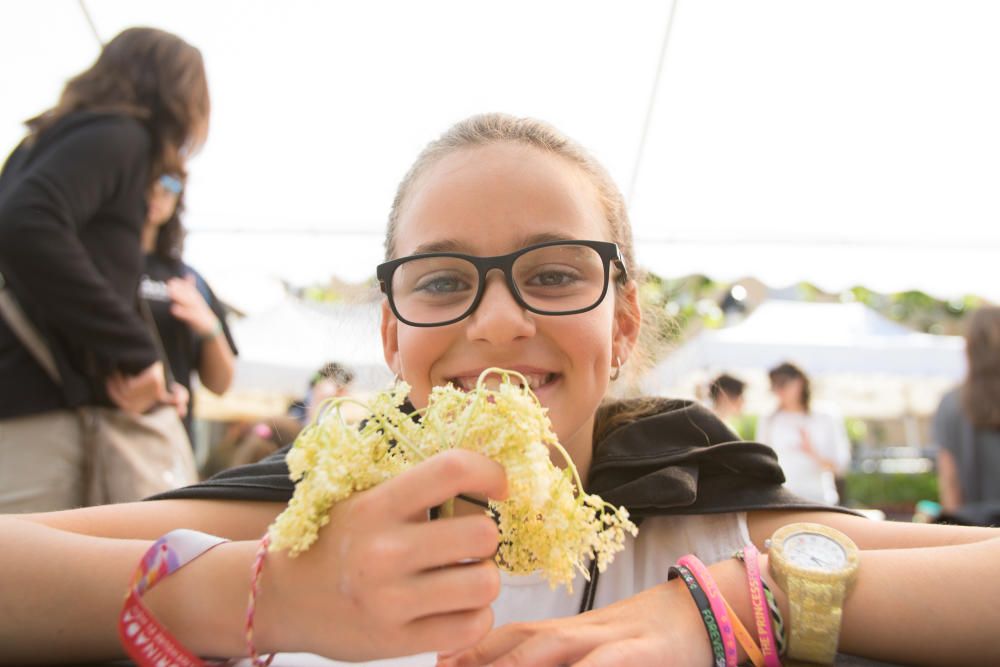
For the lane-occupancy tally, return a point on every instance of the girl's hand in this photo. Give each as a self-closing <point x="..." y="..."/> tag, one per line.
<point x="189" y="306"/>
<point x="382" y="581"/>
<point x="179" y="398"/>
<point x="659" y="627"/>
<point x="138" y="393"/>
<point x="805" y="442"/>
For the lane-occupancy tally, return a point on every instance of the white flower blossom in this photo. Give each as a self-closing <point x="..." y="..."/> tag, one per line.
<point x="546" y="524"/>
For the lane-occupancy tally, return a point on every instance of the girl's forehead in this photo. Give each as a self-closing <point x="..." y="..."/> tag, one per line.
<point x="496" y="198"/>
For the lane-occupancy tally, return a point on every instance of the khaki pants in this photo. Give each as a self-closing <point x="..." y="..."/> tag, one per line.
<point x="42" y="463"/>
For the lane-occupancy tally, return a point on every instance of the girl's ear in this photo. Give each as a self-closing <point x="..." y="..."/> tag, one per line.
<point x="390" y="338"/>
<point x="628" y="319"/>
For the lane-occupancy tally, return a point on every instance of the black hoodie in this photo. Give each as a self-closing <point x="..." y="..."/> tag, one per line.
<point x="679" y="459"/>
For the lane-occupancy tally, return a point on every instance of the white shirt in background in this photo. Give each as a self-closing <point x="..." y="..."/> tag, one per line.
<point x="803" y="474"/>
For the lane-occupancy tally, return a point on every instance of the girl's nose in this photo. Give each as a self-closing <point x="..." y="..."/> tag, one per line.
<point x="499" y="318"/>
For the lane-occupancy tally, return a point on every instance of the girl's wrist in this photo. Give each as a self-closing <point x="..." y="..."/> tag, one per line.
<point x="210" y="330"/>
<point x="204" y="604"/>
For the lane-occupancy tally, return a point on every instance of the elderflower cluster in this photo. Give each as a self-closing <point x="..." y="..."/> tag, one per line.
<point x="546" y="524"/>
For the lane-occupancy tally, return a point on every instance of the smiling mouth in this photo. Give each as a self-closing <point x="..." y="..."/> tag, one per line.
<point x="535" y="381"/>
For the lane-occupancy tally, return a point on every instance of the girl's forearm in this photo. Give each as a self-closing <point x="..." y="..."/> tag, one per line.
<point x="63" y="592"/>
<point x="217" y="364"/>
<point x="928" y="606"/>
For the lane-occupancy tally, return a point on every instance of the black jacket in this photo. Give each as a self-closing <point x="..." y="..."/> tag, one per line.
<point x="681" y="459"/>
<point x="72" y="208"/>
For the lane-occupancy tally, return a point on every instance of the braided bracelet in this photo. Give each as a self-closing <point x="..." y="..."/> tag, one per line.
<point x="705" y="611"/>
<point x="255" y="572"/>
<point x="780" y="636"/>
<point x="145" y="640"/>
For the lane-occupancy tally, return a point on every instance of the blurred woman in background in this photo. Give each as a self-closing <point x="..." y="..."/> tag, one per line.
<point x="72" y="209"/>
<point x="811" y="443"/>
<point x="967" y="426"/>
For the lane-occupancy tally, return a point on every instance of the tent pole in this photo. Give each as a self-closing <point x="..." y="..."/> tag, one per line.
<point x="90" y="22"/>
<point x="652" y="101"/>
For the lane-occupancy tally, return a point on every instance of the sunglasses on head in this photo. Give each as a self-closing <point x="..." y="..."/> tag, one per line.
<point x="171" y="184"/>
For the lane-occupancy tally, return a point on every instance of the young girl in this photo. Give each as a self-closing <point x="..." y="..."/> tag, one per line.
<point x="507" y="246"/>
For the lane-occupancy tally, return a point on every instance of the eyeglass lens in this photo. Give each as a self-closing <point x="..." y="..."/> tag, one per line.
<point x="552" y="279"/>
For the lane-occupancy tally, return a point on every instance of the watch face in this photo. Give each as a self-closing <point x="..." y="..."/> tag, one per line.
<point x="813" y="551"/>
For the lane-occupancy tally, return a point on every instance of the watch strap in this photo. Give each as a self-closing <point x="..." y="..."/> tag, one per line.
<point x="815" y="610"/>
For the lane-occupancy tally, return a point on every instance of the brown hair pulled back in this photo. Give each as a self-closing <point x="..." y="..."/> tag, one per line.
<point x="494" y="128"/>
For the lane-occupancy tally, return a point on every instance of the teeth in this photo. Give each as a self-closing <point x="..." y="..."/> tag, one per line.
<point x="535" y="380"/>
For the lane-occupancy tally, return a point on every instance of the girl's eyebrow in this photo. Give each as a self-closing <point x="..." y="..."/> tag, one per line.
<point x="453" y="245"/>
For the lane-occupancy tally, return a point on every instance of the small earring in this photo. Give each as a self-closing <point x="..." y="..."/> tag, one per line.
<point x="618" y="368"/>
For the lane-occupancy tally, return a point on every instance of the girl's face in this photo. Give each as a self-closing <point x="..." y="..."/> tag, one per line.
<point x="493" y="200"/>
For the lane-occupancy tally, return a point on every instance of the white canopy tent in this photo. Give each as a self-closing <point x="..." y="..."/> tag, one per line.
<point x="840" y="142"/>
<point x="281" y="348"/>
<point x="868" y="364"/>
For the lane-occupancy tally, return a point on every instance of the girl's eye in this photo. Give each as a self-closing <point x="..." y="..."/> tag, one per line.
<point x="553" y="278"/>
<point x="442" y="285"/>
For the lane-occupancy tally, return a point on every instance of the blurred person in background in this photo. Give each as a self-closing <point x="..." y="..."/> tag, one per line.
<point x="258" y="440"/>
<point x="967" y="427"/>
<point x="725" y="393"/>
<point x="72" y="209"/>
<point x="811" y="441"/>
<point x="190" y="319"/>
<point x="332" y="380"/>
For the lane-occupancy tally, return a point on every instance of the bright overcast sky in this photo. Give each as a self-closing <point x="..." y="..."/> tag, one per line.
<point x="843" y="142"/>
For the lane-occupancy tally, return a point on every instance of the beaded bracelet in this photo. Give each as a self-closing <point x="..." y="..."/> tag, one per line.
<point x="762" y="618"/>
<point x="705" y="611"/>
<point x="715" y="599"/>
<point x="255" y="572"/>
<point x="144" y="639"/>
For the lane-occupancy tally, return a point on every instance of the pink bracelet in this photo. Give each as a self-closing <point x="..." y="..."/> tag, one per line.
<point x="761" y="615"/>
<point x="144" y="639"/>
<point x="255" y="572"/>
<point x="718" y="604"/>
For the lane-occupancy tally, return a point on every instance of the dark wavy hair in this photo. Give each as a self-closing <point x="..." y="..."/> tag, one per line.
<point x="789" y="371"/>
<point x="150" y="75"/>
<point x="980" y="393"/>
<point x="727" y="385"/>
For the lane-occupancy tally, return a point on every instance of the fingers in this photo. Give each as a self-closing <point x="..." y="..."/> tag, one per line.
<point x="438" y="479"/>
<point x="443" y="591"/>
<point x="115" y="386"/>
<point x="496" y="644"/>
<point x="140" y="392"/>
<point x="627" y="653"/>
<point x="448" y="541"/>
<point x="535" y="644"/>
<point x="447" y="632"/>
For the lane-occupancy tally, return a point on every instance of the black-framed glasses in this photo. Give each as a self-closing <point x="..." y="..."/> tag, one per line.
<point x="554" y="278"/>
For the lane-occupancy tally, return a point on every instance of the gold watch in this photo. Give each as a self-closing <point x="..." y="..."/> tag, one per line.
<point x="816" y="566"/>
